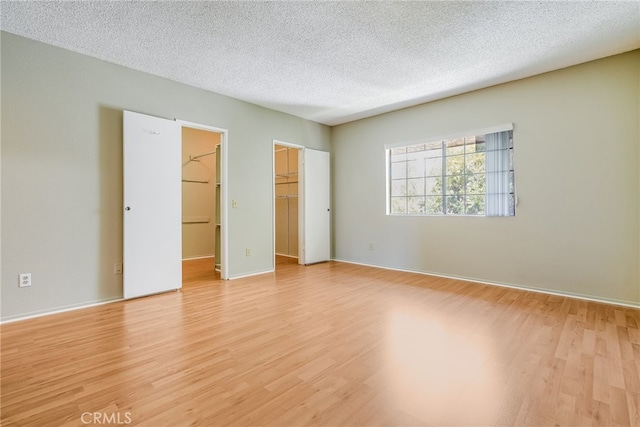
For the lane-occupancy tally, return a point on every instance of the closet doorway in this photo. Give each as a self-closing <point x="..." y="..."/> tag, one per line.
<point x="200" y="204"/>
<point x="152" y="199"/>
<point x="287" y="189"/>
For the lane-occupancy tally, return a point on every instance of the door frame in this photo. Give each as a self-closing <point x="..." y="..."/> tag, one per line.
<point x="300" y="148"/>
<point x="224" y="185"/>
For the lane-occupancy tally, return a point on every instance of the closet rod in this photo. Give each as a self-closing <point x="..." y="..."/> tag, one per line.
<point x="194" y="158"/>
<point x="200" y="181"/>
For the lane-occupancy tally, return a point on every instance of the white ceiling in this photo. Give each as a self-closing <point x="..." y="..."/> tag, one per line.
<point x="333" y="62"/>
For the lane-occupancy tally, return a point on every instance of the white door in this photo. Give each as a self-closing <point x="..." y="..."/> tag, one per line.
<point x="317" y="207"/>
<point x="152" y="205"/>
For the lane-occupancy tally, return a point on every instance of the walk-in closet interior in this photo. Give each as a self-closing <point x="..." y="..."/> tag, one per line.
<point x="199" y="193"/>
<point x="286" y="200"/>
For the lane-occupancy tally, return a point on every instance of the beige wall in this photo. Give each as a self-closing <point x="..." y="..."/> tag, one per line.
<point x="576" y="132"/>
<point x="198" y="198"/>
<point x="61" y="169"/>
<point x="576" y="230"/>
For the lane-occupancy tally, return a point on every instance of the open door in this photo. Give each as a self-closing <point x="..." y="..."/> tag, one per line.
<point x="316" y="244"/>
<point x="152" y="205"/>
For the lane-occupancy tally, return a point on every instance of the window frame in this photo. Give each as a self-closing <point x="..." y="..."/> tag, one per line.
<point x="434" y="139"/>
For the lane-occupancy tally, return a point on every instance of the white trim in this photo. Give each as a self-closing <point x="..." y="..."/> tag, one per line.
<point x="286" y="256"/>
<point x="387" y="180"/>
<point x="224" y="188"/>
<point x="302" y="252"/>
<point x="446" y="215"/>
<point x="200" y="126"/>
<point x="466" y="279"/>
<point x="60" y="310"/>
<point x="505" y="285"/>
<point x="435" y="138"/>
<point x="198" y="257"/>
<point x="273" y="202"/>
<point x="224" y="206"/>
<point x="257" y="273"/>
<point x="287" y="144"/>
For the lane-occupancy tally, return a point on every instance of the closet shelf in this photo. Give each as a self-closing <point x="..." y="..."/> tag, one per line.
<point x="195" y="158"/>
<point x="287" y="196"/>
<point x="289" y="182"/>
<point x="195" y="220"/>
<point x="199" y="181"/>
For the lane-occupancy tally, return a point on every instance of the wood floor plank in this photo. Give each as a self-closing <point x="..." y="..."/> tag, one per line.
<point x="332" y="344"/>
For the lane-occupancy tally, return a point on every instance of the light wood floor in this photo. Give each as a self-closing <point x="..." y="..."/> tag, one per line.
<point x="331" y="344"/>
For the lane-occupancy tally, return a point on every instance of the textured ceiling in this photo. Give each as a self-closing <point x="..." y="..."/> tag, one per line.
<point x="333" y="62"/>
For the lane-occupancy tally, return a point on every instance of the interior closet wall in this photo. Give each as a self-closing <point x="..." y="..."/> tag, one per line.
<point x="286" y="182"/>
<point x="198" y="191"/>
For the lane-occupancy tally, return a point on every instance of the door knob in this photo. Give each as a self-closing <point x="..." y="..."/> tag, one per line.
<point x="128" y="208"/>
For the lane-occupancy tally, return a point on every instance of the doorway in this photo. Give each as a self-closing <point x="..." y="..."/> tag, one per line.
<point x="301" y="205"/>
<point x="200" y="205"/>
<point x="287" y="173"/>
<point x="152" y="199"/>
<point x="204" y="150"/>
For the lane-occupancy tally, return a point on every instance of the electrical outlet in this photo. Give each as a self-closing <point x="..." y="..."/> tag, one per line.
<point x="247" y="252"/>
<point x="370" y="246"/>
<point x="117" y="268"/>
<point x="25" y="280"/>
<point x="234" y="203"/>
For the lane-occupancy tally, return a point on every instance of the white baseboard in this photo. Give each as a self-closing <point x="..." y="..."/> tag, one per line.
<point x="33" y="315"/>
<point x="198" y="257"/>
<point x="257" y="273"/>
<point x="622" y="303"/>
<point x="630" y="304"/>
<point x="287" y="256"/>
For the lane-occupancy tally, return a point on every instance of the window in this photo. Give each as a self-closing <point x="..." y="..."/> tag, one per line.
<point x="471" y="175"/>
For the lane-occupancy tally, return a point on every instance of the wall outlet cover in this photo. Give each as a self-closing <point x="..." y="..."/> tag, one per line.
<point x="24" y="280"/>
